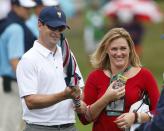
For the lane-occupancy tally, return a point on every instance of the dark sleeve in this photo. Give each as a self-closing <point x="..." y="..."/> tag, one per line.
<point x="157" y="123"/>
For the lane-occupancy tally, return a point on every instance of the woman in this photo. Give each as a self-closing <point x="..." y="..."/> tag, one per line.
<point x="116" y="55"/>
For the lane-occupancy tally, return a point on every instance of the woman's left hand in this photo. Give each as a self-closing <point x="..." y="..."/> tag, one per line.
<point x="125" y="120"/>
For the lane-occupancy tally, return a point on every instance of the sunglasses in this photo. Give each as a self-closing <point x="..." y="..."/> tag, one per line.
<point x="59" y="28"/>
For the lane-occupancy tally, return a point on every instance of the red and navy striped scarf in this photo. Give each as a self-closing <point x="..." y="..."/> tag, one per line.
<point x="69" y="64"/>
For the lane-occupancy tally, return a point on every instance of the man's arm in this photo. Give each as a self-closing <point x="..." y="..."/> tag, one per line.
<point x="15" y="44"/>
<point x="14" y="63"/>
<point x="38" y="101"/>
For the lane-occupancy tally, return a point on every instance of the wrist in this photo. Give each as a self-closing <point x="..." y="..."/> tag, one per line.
<point x="106" y="100"/>
<point x="150" y="115"/>
<point x="135" y="117"/>
<point x="88" y="114"/>
<point x="139" y="120"/>
<point x="65" y="94"/>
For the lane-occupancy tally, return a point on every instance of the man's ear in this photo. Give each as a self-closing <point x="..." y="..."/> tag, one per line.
<point x="39" y="24"/>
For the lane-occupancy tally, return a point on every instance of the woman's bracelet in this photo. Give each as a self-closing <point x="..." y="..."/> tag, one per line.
<point x="135" y="117"/>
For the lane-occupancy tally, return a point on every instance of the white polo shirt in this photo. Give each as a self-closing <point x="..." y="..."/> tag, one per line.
<point x="39" y="72"/>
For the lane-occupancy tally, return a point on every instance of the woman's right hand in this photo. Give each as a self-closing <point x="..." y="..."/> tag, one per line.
<point x="114" y="94"/>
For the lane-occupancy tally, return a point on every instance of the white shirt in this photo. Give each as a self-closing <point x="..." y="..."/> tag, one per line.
<point x="39" y="72"/>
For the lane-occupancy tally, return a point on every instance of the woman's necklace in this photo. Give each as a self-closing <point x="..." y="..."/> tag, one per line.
<point x="115" y="77"/>
<point x="117" y="107"/>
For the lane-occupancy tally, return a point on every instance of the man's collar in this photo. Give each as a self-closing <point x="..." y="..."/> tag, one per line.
<point x="42" y="50"/>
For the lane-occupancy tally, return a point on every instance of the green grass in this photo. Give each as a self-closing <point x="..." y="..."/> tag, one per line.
<point x="153" y="51"/>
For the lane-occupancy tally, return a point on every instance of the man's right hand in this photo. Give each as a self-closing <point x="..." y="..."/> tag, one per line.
<point x="72" y="92"/>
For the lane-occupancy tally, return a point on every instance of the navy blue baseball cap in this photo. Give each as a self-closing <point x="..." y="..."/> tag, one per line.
<point x="53" y="16"/>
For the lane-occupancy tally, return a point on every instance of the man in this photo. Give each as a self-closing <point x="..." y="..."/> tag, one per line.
<point x="156" y="124"/>
<point x="15" y="39"/>
<point x="46" y="100"/>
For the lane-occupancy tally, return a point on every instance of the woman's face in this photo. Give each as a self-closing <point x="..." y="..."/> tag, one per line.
<point x="118" y="52"/>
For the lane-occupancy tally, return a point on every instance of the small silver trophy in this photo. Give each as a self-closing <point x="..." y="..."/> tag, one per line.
<point x="116" y="108"/>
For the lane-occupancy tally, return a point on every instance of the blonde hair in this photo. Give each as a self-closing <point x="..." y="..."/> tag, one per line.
<point x="100" y="59"/>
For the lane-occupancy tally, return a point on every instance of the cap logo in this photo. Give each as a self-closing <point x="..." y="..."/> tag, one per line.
<point x="59" y="14"/>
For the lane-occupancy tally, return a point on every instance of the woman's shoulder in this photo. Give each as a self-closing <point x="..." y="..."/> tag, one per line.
<point x="97" y="75"/>
<point x="96" y="72"/>
<point x="139" y="71"/>
<point x="146" y="71"/>
<point x="133" y="72"/>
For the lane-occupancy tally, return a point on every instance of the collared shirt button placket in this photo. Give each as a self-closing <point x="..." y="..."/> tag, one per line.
<point x="52" y="59"/>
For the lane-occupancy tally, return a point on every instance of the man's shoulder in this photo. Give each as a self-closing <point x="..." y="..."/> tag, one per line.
<point x="30" y="54"/>
<point x="14" y="28"/>
<point x="28" y="60"/>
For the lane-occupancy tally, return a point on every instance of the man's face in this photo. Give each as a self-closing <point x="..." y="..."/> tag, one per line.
<point x="49" y="35"/>
<point x="38" y="9"/>
<point x="23" y="12"/>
